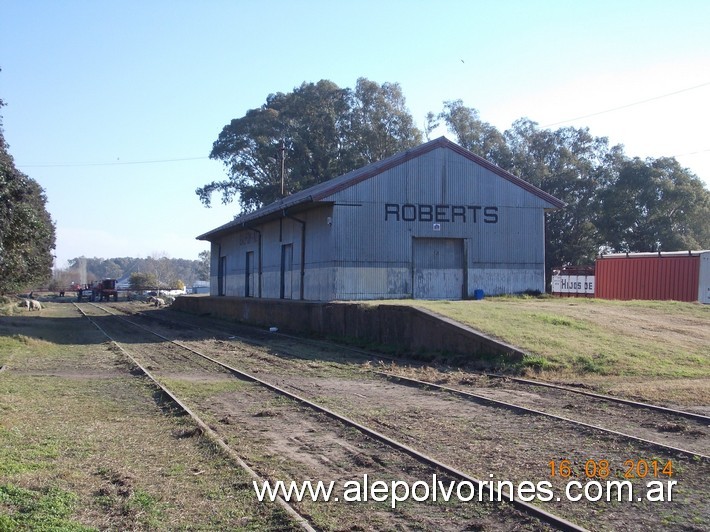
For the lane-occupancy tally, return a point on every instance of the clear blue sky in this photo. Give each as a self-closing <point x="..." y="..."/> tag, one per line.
<point x="95" y="90"/>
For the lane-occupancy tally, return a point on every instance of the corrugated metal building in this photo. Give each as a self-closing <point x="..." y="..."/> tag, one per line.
<point x="434" y="222"/>
<point x="678" y="275"/>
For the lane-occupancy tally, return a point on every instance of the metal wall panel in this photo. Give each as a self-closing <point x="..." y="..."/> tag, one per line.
<point x="506" y="280"/>
<point x="443" y="195"/>
<point x="665" y="277"/>
<point x="262" y="244"/>
<point x="359" y="242"/>
<point x="438" y="268"/>
<point x="704" y="278"/>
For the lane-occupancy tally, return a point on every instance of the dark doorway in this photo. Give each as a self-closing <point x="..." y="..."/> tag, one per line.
<point x="249" y="275"/>
<point x="286" y="270"/>
<point x="222" y="276"/>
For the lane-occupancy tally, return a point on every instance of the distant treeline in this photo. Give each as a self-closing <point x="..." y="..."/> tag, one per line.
<point x="167" y="272"/>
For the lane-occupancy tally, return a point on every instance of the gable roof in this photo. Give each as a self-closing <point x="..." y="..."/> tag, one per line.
<point x="327" y="188"/>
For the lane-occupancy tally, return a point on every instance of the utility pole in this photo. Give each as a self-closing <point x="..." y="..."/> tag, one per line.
<point x="282" y="152"/>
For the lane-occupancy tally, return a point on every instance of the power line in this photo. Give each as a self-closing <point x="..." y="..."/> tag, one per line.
<point x="629" y="105"/>
<point x="692" y="153"/>
<point x="114" y="163"/>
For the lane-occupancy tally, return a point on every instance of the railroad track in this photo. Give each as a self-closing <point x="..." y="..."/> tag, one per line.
<point x="504" y="404"/>
<point x="636" y="404"/>
<point x="301" y="521"/>
<point x="670" y="421"/>
<point x="436" y="466"/>
<point x="278" y="368"/>
<point x="257" y="336"/>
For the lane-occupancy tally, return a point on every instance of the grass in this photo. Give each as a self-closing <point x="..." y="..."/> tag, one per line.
<point x="21" y="456"/>
<point x="617" y="346"/>
<point x="593" y="336"/>
<point x="83" y="444"/>
<point x="199" y="390"/>
<point x="117" y="455"/>
<point x="43" y="509"/>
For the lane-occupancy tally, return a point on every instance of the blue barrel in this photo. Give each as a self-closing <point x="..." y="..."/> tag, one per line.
<point x="478" y="294"/>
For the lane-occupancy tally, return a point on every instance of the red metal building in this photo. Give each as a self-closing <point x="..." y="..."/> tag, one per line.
<point x="679" y="276"/>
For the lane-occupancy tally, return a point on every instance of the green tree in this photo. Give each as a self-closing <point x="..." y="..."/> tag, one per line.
<point x="656" y="205"/>
<point x="573" y="166"/>
<point x="321" y="131"/>
<point x="27" y="233"/>
<point x="613" y="202"/>
<point x="381" y="124"/>
<point x="61" y="280"/>
<point x="317" y="132"/>
<point x="161" y="269"/>
<point x="111" y="270"/>
<point x="203" y="269"/>
<point x="472" y="133"/>
<point x="142" y="281"/>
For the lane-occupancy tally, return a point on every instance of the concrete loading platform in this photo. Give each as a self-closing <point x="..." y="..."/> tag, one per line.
<point x="402" y="328"/>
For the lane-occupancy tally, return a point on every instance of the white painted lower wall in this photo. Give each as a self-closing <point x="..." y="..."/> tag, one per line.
<point x="500" y="281"/>
<point x="363" y="283"/>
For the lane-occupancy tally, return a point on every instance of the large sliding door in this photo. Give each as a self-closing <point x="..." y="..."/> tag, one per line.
<point x="438" y="268"/>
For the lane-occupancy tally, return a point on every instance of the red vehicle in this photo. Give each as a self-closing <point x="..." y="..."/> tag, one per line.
<point x="101" y="290"/>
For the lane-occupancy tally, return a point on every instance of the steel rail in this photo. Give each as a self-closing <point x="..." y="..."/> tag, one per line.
<point x="552" y="519"/>
<point x="366" y="354"/>
<point x="611" y="398"/>
<point x="206" y="430"/>
<point x="496" y="402"/>
<point x="481" y="398"/>
<point x="472" y="395"/>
